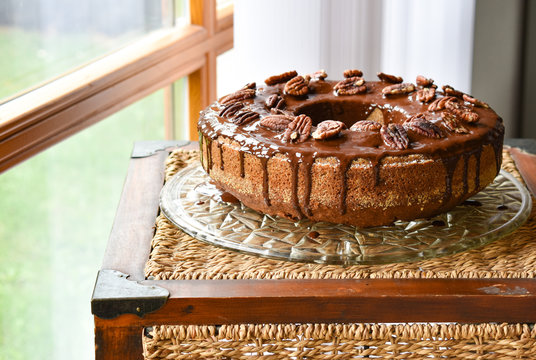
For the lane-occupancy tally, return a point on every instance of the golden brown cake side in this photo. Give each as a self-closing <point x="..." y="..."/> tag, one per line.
<point x="409" y="188"/>
<point x="356" y="177"/>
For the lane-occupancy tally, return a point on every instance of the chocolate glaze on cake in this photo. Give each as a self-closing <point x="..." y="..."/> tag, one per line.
<point x="356" y="177"/>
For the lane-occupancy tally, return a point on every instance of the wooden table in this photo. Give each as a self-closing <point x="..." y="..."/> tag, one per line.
<point x="124" y="303"/>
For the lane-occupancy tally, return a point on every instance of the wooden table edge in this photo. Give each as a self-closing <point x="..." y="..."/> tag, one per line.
<point x="285" y="301"/>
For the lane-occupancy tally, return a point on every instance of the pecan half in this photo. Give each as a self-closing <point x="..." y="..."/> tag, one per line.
<point x="276" y="111"/>
<point x="277" y="122"/>
<point x="451" y="122"/>
<point x="452" y="103"/>
<point x="366" y="125"/>
<point x="328" y="129"/>
<point x="466" y="115"/>
<point x="297" y="86"/>
<point x="231" y="109"/>
<point x="426" y="94"/>
<point x="377" y="116"/>
<point x="239" y="95"/>
<point x="390" y="78"/>
<point x="449" y="90"/>
<point x="350" y="86"/>
<point x="245" y="117"/>
<point x="440" y="104"/>
<point x="423" y="127"/>
<point x="398" y="89"/>
<point x="424" y="82"/>
<point x="319" y="75"/>
<point x="419" y="116"/>
<point x="352" y="73"/>
<point x="475" y="101"/>
<point x="281" y="78"/>
<point x="395" y="136"/>
<point x="299" y="129"/>
<point x="275" y="101"/>
<point x="251" y="85"/>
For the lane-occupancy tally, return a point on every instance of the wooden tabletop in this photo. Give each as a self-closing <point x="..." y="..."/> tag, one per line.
<point x="124" y="301"/>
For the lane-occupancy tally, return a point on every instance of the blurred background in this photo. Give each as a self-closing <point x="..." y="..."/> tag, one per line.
<point x="58" y="207"/>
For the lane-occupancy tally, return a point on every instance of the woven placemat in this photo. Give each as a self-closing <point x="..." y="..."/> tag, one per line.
<point x="176" y="255"/>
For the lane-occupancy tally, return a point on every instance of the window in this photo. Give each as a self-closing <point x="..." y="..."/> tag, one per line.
<point x="59" y="205"/>
<point x="43" y="116"/>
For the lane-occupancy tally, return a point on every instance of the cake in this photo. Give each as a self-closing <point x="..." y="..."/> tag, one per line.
<point x="357" y="152"/>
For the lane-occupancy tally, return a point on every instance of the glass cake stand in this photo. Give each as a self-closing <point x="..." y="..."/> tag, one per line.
<point x="194" y="205"/>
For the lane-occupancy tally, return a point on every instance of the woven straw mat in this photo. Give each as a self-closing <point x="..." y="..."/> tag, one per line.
<point x="176" y="255"/>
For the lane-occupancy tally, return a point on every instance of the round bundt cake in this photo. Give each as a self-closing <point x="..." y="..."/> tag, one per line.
<point x="357" y="152"/>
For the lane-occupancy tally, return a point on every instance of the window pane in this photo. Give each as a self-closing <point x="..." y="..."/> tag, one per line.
<point x="41" y="39"/>
<point x="57" y="212"/>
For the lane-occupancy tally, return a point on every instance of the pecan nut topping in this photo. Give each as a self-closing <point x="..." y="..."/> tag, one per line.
<point x="441" y="103"/>
<point x="328" y="129"/>
<point x="475" y="101"/>
<point x="424" y="82"/>
<point x="352" y="73"/>
<point x="426" y="94"/>
<point x="299" y="129"/>
<point x="239" y="95"/>
<point x="297" y="86"/>
<point x="449" y="90"/>
<point x="451" y="122"/>
<point x="452" y="103"/>
<point x="231" y="109"/>
<point x="377" y="116"/>
<point x="366" y="125"/>
<point x="251" y="85"/>
<point x="275" y="102"/>
<point x="393" y="79"/>
<point x="394" y="136"/>
<point x="350" y="86"/>
<point x="281" y="78"/>
<point x="398" y="89"/>
<point x="245" y="117"/>
<point x="277" y="122"/>
<point x="423" y="127"/>
<point x="466" y="115"/>
<point x="319" y="75"/>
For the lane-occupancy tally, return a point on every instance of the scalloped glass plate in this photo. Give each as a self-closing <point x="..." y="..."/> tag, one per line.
<point x="194" y="205"/>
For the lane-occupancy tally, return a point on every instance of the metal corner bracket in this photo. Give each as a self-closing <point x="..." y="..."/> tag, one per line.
<point x="115" y="295"/>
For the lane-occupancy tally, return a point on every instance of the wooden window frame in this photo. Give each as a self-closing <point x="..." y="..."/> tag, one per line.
<point x="42" y="117"/>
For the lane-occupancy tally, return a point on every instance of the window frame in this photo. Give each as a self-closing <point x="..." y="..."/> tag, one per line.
<point x="48" y="114"/>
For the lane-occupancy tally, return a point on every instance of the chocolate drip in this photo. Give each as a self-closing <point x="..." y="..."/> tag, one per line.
<point x="308" y="164"/>
<point x="265" y="193"/>
<point x="201" y="138"/>
<point x="221" y="155"/>
<point x="241" y="157"/>
<point x="478" y="154"/>
<point x="345" y="164"/>
<point x="294" y="164"/>
<point x="376" y="168"/>
<point x="497" y="147"/>
<point x="209" y="155"/>
<point x="450" y="166"/>
<point x="465" y="168"/>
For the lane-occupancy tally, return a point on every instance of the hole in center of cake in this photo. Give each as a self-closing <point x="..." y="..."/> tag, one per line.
<point x="349" y="112"/>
